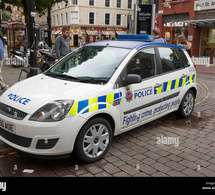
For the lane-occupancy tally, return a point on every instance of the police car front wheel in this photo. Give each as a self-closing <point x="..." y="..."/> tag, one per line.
<point x="94" y="140"/>
<point x="187" y="105"/>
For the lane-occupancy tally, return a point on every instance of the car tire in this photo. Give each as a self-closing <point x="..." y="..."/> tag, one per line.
<point x="94" y="140"/>
<point x="187" y="105"/>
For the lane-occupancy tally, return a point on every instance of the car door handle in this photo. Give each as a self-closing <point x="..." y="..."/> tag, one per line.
<point x="183" y="76"/>
<point x="157" y="85"/>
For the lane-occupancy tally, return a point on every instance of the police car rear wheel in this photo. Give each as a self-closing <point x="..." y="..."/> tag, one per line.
<point x="187" y="105"/>
<point x="94" y="140"/>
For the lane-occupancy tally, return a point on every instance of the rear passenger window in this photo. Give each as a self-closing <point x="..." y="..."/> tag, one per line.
<point x="169" y="59"/>
<point x="183" y="58"/>
<point x="143" y="63"/>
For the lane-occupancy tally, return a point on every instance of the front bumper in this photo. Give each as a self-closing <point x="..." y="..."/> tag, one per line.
<point x="42" y="139"/>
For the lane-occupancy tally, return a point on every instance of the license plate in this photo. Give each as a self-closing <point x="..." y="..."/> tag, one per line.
<point x="7" y="126"/>
<point x="39" y="60"/>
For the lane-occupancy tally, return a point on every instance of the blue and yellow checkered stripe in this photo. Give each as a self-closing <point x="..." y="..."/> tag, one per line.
<point x="174" y="84"/>
<point x="97" y="103"/>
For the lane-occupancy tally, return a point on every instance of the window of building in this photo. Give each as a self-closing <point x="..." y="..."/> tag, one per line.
<point x="61" y="19"/>
<point x="74" y="2"/>
<point x="53" y="21"/>
<point x="91" y="18"/>
<point x="118" y="19"/>
<point x="169" y="59"/>
<point x="74" y="17"/>
<point x="130" y="2"/>
<point x="119" y="3"/>
<point x="91" y="2"/>
<point x="107" y="3"/>
<point x="143" y="63"/>
<point x="66" y="18"/>
<point x="57" y="20"/>
<point x="17" y="15"/>
<point x="107" y="19"/>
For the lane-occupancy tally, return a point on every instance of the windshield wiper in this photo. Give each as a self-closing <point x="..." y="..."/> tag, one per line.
<point x="93" y="80"/>
<point x="65" y="76"/>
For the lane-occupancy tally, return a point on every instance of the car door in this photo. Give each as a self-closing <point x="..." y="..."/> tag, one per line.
<point x="174" y="76"/>
<point x="141" y="101"/>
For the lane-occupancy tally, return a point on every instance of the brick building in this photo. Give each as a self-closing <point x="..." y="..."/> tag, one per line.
<point x="194" y="19"/>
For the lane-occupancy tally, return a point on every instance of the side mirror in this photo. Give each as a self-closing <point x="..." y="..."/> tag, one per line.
<point x="132" y="79"/>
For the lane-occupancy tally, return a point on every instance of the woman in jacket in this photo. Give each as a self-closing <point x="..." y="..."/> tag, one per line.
<point x="181" y="41"/>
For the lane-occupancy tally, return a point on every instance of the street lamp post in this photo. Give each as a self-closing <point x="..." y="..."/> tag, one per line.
<point x="32" y="37"/>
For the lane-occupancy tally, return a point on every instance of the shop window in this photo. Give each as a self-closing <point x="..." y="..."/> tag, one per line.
<point x="169" y="59"/>
<point x="143" y="64"/>
<point x="207" y="41"/>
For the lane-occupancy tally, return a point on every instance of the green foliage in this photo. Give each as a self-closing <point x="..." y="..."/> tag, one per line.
<point x="41" y="6"/>
<point x="6" y="16"/>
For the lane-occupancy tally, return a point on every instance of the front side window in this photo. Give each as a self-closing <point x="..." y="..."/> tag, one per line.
<point x="143" y="63"/>
<point x="169" y="59"/>
<point x="89" y="64"/>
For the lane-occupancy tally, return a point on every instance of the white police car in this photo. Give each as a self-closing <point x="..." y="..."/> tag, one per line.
<point x="94" y="93"/>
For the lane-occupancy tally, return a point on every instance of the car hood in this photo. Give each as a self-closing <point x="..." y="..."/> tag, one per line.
<point x="31" y="94"/>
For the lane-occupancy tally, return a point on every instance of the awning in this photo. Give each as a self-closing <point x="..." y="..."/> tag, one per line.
<point x="107" y="33"/>
<point x="203" y="22"/>
<point x="121" y="32"/>
<point x="92" y="32"/>
<point x="56" y="32"/>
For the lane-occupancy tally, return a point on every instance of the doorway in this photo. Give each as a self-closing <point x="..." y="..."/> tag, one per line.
<point x="75" y="41"/>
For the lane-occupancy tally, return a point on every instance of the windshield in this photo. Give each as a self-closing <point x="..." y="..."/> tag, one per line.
<point x="89" y="64"/>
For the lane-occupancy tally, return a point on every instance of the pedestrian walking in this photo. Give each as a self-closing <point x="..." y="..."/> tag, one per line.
<point x="181" y="41"/>
<point x="2" y="43"/>
<point x="157" y="38"/>
<point x="62" y="44"/>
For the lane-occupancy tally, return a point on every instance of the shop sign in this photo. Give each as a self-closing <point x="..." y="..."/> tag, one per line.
<point x="204" y="5"/>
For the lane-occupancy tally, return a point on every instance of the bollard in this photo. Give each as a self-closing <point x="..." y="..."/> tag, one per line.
<point x="212" y="56"/>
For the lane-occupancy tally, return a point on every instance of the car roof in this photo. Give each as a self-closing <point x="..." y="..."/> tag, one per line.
<point x="129" y="44"/>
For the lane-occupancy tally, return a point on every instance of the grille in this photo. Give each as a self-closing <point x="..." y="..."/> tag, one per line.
<point x="12" y="112"/>
<point x="16" y="139"/>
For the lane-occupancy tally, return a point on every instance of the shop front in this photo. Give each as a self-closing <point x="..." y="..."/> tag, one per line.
<point x="100" y="34"/>
<point x="175" y="25"/>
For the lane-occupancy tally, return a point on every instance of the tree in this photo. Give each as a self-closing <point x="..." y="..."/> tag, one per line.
<point x="6" y="16"/>
<point x="41" y="6"/>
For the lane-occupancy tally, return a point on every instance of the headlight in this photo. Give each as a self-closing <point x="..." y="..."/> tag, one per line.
<point x="55" y="111"/>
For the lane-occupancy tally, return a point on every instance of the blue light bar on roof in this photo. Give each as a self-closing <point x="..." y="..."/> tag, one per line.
<point x="146" y="38"/>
